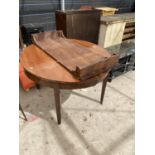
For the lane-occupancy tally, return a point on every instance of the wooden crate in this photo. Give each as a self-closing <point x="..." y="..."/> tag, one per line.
<point x="114" y="29"/>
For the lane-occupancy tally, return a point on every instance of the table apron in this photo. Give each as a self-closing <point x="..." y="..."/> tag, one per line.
<point x="62" y="85"/>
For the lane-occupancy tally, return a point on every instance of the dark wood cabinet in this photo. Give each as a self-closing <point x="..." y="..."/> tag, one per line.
<point x="79" y="24"/>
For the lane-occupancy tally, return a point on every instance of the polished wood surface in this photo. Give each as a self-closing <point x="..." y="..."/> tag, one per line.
<point x="45" y="70"/>
<point x="82" y="61"/>
<point x="40" y="64"/>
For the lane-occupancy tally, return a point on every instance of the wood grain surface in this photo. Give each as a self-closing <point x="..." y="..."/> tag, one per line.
<point x="43" y="69"/>
<point x="82" y="61"/>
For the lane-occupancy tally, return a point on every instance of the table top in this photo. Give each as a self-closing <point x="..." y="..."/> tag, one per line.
<point x="44" y="68"/>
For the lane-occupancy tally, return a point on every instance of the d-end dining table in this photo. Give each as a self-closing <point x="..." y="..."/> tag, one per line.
<point x="44" y="70"/>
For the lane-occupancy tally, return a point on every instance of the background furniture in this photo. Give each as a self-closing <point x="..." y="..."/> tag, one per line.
<point x="27" y="32"/>
<point x="79" y="24"/>
<point x="126" y="53"/>
<point x="116" y="28"/>
<point x="44" y="70"/>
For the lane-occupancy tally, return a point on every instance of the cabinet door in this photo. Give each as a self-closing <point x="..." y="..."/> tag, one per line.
<point x="83" y="26"/>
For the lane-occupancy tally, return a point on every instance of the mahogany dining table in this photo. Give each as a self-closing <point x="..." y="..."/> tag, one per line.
<point x="44" y="70"/>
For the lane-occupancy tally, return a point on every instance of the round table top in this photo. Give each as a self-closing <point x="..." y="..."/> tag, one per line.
<point x="43" y="67"/>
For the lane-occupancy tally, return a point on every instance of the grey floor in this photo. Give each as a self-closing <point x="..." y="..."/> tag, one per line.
<point x="88" y="128"/>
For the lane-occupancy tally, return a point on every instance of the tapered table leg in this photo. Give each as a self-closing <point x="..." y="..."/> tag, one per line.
<point x="104" y="83"/>
<point x="37" y="86"/>
<point x="57" y="103"/>
<point x="20" y="108"/>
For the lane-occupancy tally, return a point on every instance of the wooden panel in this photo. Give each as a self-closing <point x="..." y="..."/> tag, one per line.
<point x="83" y="62"/>
<point x="61" y="22"/>
<point x="79" y="24"/>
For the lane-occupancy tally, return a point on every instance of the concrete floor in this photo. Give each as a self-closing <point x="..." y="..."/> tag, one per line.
<point x="87" y="128"/>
